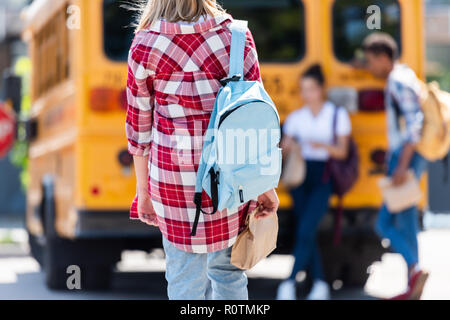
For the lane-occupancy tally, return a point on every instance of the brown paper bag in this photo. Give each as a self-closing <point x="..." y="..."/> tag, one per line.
<point x="294" y="169"/>
<point x="399" y="198"/>
<point x="256" y="242"/>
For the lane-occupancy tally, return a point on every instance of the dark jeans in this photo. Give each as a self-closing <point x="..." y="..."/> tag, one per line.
<point x="310" y="205"/>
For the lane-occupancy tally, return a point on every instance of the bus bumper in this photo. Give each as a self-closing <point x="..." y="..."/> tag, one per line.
<point x="112" y="224"/>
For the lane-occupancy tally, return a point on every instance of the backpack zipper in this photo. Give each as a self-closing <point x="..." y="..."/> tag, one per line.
<point x="227" y="113"/>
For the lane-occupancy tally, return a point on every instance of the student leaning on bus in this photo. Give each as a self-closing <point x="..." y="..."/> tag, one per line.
<point x="179" y="53"/>
<point x="402" y="88"/>
<point x="312" y="127"/>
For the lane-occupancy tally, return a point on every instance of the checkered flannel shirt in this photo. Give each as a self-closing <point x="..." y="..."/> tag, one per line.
<point x="173" y="79"/>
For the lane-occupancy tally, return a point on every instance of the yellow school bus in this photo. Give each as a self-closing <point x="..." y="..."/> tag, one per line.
<point x="82" y="178"/>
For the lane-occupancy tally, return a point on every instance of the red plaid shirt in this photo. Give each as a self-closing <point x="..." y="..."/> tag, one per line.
<point x="173" y="80"/>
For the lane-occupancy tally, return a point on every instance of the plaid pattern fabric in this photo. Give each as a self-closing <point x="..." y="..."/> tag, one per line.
<point x="173" y="79"/>
<point x="404" y="86"/>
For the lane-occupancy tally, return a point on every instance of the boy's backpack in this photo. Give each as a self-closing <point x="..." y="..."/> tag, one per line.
<point x="435" y="137"/>
<point x="435" y="141"/>
<point x="243" y="111"/>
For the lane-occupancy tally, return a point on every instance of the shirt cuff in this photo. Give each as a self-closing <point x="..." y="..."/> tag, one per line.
<point x="138" y="151"/>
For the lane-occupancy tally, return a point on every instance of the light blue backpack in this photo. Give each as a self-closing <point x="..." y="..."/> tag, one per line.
<point x="241" y="158"/>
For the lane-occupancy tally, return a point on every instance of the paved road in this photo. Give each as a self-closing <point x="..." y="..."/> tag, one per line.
<point x="141" y="276"/>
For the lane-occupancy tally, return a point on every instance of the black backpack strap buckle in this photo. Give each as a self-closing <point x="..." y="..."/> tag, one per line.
<point x="224" y="81"/>
<point x="214" y="176"/>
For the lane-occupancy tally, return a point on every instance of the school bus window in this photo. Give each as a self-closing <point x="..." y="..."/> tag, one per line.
<point x="350" y="27"/>
<point x="277" y="26"/>
<point x="117" y="29"/>
<point x="51" y="51"/>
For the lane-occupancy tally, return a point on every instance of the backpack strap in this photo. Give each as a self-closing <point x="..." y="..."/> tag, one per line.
<point x="198" y="199"/>
<point x="335" y="117"/>
<point x="208" y="143"/>
<point x="237" y="49"/>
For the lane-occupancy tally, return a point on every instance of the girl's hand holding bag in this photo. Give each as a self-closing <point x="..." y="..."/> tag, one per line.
<point x="256" y="242"/>
<point x="294" y="170"/>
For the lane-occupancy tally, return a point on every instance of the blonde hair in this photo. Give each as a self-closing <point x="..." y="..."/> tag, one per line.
<point x="173" y="11"/>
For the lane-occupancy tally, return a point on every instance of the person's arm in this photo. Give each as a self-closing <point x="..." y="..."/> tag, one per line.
<point x="408" y="102"/>
<point x="288" y="140"/>
<point x="336" y="151"/>
<point x="286" y="144"/>
<point x="399" y="175"/>
<point x="138" y="126"/>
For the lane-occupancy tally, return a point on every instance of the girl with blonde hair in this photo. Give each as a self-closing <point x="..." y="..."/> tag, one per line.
<point x="179" y="53"/>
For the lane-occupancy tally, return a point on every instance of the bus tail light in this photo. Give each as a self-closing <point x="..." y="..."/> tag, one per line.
<point x="107" y="99"/>
<point x="371" y="100"/>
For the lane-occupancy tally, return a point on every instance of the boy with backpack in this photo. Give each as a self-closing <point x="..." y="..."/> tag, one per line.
<point x="405" y="121"/>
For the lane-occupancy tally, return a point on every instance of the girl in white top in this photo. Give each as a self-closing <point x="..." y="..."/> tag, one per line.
<point x="312" y="127"/>
<point x="314" y="131"/>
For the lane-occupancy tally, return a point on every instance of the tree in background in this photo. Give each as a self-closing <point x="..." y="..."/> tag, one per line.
<point x="19" y="153"/>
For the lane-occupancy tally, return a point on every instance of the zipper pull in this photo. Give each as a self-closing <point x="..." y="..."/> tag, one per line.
<point x="241" y="194"/>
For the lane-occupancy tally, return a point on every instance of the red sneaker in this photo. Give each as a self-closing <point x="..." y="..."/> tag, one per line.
<point x="417" y="283"/>
<point x="415" y="287"/>
<point x="402" y="296"/>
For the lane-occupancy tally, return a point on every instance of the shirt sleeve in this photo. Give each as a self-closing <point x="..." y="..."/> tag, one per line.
<point x="409" y="104"/>
<point x="252" y="70"/>
<point x="140" y="102"/>
<point x="344" y="124"/>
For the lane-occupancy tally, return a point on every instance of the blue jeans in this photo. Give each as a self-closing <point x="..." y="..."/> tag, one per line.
<point x="310" y="205"/>
<point x="401" y="228"/>
<point x="200" y="276"/>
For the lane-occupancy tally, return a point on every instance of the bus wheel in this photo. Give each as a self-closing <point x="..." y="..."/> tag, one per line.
<point x="55" y="269"/>
<point x="36" y="249"/>
<point x="91" y="260"/>
<point x="68" y="265"/>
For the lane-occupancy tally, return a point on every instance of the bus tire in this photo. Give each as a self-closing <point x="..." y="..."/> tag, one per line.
<point x="93" y="257"/>
<point x="65" y="257"/>
<point x="37" y="243"/>
<point x="55" y="269"/>
<point x="36" y="249"/>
